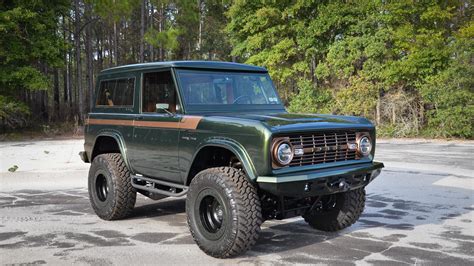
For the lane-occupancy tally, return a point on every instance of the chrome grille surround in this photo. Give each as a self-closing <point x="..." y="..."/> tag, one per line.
<point x="324" y="147"/>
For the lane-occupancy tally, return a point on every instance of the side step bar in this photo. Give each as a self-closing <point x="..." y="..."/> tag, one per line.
<point x="159" y="186"/>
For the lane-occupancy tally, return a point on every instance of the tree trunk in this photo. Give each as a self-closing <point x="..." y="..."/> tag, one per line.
<point x="116" y="52"/>
<point x="56" y="94"/>
<point x="44" y="105"/>
<point x="422" y="114"/>
<point x="71" y="94"/>
<point x="394" y="114"/>
<point x="89" y="57"/>
<point x="70" y="75"/>
<point x="109" y="47"/>
<point x="377" y="110"/>
<point x="65" y="74"/>
<point x="152" y="20"/>
<point x="142" y="31"/>
<point x="77" y="45"/>
<point x="160" y="29"/>
<point x="65" y="91"/>
<point x="70" y="86"/>
<point x="201" y="25"/>
<point x="100" y="56"/>
<point x="313" y="69"/>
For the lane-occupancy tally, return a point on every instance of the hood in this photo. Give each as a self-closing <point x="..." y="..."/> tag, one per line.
<point x="286" y="122"/>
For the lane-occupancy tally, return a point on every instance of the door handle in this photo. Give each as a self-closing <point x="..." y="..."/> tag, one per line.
<point x="139" y="117"/>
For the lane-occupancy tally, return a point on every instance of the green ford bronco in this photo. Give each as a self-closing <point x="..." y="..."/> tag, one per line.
<point x="218" y="134"/>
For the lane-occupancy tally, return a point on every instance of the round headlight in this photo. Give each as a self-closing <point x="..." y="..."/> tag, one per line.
<point x="365" y="146"/>
<point x="284" y="153"/>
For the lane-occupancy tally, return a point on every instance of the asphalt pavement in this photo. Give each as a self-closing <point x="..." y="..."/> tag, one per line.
<point x="420" y="210"/>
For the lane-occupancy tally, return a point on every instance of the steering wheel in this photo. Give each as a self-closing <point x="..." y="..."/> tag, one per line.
<point x="240" y="98"/>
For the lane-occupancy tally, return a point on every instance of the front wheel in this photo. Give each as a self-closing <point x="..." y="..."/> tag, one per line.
<point x="337" y="211"/>
<point x="223" y="210"/>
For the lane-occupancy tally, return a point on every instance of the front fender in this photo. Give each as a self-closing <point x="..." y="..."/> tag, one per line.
<point x="234" y="147"/>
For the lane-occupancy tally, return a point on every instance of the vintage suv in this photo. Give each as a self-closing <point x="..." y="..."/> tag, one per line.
<point x="218" y="134"/>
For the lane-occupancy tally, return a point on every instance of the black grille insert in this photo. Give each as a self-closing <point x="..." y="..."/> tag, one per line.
<point x="324" y="147"/>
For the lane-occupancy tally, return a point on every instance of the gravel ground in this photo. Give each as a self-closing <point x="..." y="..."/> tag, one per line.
<point x="419" y="210"/>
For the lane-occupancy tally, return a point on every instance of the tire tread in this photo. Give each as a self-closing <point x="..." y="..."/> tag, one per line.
<point x="352" y="207"/>
<point x="247" y="202"/>
<point x="125" y="193"/>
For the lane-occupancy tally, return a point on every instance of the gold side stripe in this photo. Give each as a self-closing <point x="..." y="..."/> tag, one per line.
<point x="187" y="122"/>
<point x="111" y="122"/>
<point x="190" y="122"/>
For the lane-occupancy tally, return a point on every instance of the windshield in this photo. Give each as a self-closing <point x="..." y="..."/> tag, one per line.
<point x="226" y="89"/>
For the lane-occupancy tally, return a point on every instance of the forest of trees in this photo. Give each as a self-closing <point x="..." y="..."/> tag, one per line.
<point x="406" y="65"/>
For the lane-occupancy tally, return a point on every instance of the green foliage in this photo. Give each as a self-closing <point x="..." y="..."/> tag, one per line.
<point x="215" y="41"/>
<point x="263" y="34"/>
<point x="114" y="10"/>
<point x="413" y="58"/>
<point x="450" y="93"/>
<point x="358" y="98"/>
<point x="406" y="65"/>
<point x="167" y="39"/>
<point x="28" y="40"/>
<point x="311" y="99"/>
<point x="28" y="77"/>
<point x="13" y="168"/>
<point x="29" y="45"/>
<point x="190" y="29"/>
<point x="13" y="113"/>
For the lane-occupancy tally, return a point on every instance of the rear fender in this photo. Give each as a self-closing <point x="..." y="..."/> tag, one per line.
<point x="120" y="142"/>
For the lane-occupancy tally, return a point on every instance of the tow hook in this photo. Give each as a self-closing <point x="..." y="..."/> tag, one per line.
<point x="340" y="184"/>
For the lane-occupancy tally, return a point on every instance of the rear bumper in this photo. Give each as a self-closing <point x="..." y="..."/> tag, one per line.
<point x="83" y="156"/>
<point x="321" y="182"/>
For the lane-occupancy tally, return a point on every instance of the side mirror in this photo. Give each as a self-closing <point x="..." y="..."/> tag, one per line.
<point x="163" y="108"/>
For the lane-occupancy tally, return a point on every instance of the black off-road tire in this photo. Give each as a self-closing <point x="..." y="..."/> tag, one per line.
<point x="241" y="214"/>
<point x="349" y="206"/>
<point x="117" y="200"/>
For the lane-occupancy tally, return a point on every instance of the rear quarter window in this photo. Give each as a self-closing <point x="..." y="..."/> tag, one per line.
<point x="116" y="93"/>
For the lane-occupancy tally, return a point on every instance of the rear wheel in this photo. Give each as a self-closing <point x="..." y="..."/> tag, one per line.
<point x="223" y="210"/>
<point x="110" y="189"/>
<point x="337" y="211"/>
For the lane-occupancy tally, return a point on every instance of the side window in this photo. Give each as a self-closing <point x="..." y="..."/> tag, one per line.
<point x="158" y="88"/>
<point x="116" y="92"/>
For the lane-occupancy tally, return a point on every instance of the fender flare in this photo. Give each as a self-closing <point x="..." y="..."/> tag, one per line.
<point x="233" y="146"/>
<point x="117" y="136"/>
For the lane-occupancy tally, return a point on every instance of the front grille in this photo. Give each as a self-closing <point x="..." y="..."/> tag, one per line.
<point x="324" y="147"/>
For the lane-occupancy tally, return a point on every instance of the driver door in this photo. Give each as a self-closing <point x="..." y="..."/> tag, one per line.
<point x="156" y="132"/>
